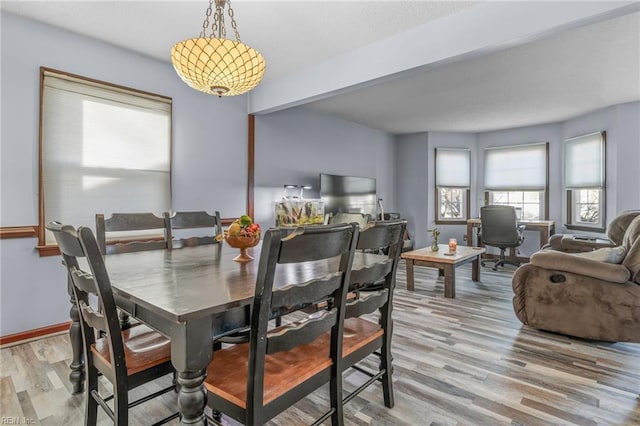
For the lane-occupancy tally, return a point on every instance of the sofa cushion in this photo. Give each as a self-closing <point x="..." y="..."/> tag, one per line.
<point x="570" y="262"/>
<point x="606" y="254"/>
<point x="619" y="225"/>
<point x="631" y="242"/>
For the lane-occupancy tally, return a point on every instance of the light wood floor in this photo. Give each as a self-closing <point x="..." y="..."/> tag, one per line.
<point x="457" y="361"/>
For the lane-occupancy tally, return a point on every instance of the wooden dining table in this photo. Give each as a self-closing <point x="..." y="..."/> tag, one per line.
<point x="193" y="295"/>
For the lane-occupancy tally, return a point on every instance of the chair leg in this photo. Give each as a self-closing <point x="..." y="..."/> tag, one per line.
<point x="335" y="397"/>
<point x="120" y="405"/>
<point x="503" y="261"/>
<point x="91" y="408"/>
<point x="386" y="364"/>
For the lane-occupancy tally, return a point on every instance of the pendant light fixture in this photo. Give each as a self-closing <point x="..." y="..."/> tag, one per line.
<point x="214" y="64"/>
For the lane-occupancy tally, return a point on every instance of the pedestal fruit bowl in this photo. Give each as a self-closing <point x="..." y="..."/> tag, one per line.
<point x="242" y="234"/>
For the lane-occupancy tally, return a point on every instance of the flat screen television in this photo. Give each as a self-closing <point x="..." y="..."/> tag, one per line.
<point x="348" y="194"/>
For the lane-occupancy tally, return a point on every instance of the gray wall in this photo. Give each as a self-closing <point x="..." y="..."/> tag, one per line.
<point x="413" y="193"/>
<point x="294" y="146"/>
<point x="209" y="153"/>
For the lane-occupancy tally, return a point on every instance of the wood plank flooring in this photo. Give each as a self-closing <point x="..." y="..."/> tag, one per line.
<point x="457" y="361"/>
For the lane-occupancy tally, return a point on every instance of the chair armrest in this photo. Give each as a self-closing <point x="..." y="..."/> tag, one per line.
<point x="567" y="262"/>
<point x="586" y="242"/>
<point x="571" y="243"/>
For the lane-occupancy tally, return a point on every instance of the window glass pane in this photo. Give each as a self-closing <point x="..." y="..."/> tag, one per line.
<point x="531" y="212"/>
<point x="528" y="204"/>
<point x="516" y="197"/>
<point x="531" y="197"/>
<point x="587" y="209"/>
<point x="452" y="203"/>
<point x="499" y="197"/>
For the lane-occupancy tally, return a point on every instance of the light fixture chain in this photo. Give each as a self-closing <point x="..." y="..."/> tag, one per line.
<point x="205" y="24"/>
<point x="233" y="23"/>
<point x="218" y="29"/>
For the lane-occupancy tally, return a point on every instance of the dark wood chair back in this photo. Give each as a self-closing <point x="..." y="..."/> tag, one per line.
<point x="373" y="288"/>
<point x="254" y="382"/>
<point x="128" y="227"/>
<point x="193" y="221"/>
<point x="110" y="355"/>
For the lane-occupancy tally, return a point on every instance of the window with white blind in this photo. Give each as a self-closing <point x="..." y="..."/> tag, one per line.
<point x="518" y="176"/>
<point x="453" y="182"/>
<point x="584" y="181"/>
<point x="104" y="149"/>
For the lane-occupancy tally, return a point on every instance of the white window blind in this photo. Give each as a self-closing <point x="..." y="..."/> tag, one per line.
<point x="519" y="167"/>
<point x="584" y="161"/>
<point x="104" y="150"/>
<point x="453" y="168"/>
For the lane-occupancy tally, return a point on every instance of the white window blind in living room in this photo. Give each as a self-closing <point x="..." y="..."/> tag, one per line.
<point x="453" y="168"/>
<point x="584" y="161"/>
<point x="104" y="149"/>
<point x="516" y="168"/>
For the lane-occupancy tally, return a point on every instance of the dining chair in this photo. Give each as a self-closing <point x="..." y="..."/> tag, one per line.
<point x="131" y="232"/>
<point x="126" y="358"/>
<point x="253" y="382"/>
<point x="359" y="218"/>
<point x="373" y="291"/>
<point x="209" y="225"/>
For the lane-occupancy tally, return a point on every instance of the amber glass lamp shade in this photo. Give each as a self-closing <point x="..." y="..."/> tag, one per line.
<point x="218" y="66"/>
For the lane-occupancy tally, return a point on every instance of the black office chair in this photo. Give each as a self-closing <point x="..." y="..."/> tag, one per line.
<point x="499" y="228"/>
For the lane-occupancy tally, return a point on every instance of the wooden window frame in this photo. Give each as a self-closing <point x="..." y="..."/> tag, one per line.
<point x="50" y="249"/>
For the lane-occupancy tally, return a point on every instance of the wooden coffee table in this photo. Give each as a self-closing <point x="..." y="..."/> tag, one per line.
<point x="445" y="262"/>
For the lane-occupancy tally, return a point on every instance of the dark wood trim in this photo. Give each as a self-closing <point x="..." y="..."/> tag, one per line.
<point x="450" y="222"/>
<point x="569" y="216"/>
<point x="103" y="83"/>
<point x="546" y="185"/>
<point x="227" y="220"/>
<point x="251" y="145"/>
<point x="18" y="232"/>
<point x="41" y="224"/>
<point x="585" y="228"/>
<point x="604" y="186"/>
<point x="48" y="250"/>
<point x="31" y="334"/>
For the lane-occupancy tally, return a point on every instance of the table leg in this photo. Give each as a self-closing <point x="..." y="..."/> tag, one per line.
<point x="450" y="281"/>
<point x="410" y="283"/>
<point x="76" y="377"/>
<point x="191" y="353"/>
<point x="475" y="269"/>
<point x="192" y="397"/>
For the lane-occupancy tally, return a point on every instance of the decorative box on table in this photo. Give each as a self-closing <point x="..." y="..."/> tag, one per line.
<point x="299" y="212"/>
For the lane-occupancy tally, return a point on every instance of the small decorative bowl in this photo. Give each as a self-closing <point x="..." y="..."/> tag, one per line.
<point x="243" y="243"/>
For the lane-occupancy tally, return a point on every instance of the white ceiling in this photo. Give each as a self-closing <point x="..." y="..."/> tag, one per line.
<point x="551" y="79"/>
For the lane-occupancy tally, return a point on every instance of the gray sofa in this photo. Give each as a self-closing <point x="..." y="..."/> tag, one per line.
<point x="591" y="294"/>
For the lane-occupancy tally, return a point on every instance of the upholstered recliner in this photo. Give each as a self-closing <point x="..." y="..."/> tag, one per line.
<point x="593" y="295"/>
<point x="575" y="243"/>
